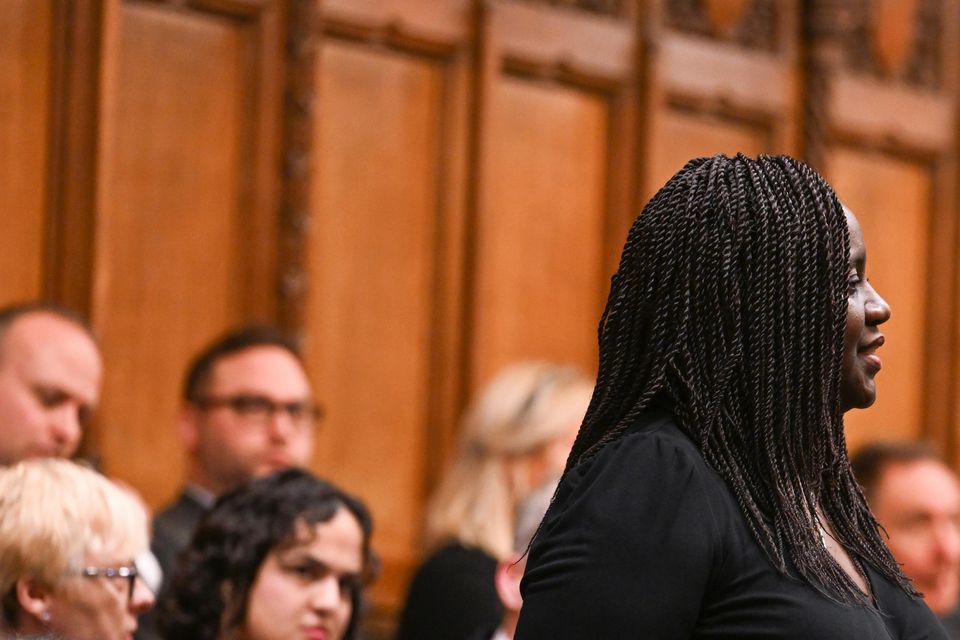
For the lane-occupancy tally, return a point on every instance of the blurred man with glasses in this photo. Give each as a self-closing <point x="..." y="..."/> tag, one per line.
<point x="247" y="410"/>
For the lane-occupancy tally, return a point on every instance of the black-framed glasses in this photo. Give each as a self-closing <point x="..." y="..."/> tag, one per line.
<point x="260" y="409"/>
<point x="128" y="572"/>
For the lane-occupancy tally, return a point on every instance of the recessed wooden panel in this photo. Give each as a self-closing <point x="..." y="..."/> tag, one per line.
<point x="540" y="233"/>
<point x="25" y="58"/>
<point x="678" y="137"/>
<point x="168" y="235"/>
<point x="891" y="199"/>
<point x="372" y="269"/>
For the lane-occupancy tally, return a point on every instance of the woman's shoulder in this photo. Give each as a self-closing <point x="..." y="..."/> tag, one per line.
<point x="654" y="449"/>
<point x="653" y="471"/>
<point x="635" y="523"/>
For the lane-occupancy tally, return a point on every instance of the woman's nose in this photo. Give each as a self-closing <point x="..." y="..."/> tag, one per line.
<point x="876" y="309"/>
<point x="142" y="597"/>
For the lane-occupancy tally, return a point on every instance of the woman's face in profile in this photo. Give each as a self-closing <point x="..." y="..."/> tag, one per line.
<point x="866" y="310"/>
<point x="305" y="591"/>
<point x="98" y="607"/>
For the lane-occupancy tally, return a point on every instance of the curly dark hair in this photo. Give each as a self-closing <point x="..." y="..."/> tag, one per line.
<point x="728" y="308"/>
<point x="210" y="589"/>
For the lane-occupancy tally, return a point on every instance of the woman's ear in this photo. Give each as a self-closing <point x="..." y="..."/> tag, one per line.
<point x="507" y="581"/>
<point x="34" y="599"/>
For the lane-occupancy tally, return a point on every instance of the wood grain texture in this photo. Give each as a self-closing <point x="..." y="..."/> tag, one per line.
<point x="886" y="132"/>
<point x="373" y="267"/>
<point x="539" y="237"/>
<point x="891" y="199"/>
<point x="555" y="192"/>
<point x="168" y="251"/>
<point x="681" y="136"/>
<point x="704" y="95"/>
<point x="26" y="35"/>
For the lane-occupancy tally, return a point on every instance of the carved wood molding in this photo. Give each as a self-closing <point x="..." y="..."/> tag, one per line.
<point x="232" y="8"/>
<point x="922" y="66"/>
<point x="298" y="117"/>
<point x="614" y="8"/>
<point x="849" y="28"/>
<point x="823" y="22"/>
<point x="755" y="27"/>
<point x="842" y="37"/>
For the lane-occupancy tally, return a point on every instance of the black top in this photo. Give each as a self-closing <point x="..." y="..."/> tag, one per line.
<point x="452" y="596"/>
<point x="951" y="622"/>
<point x="646" y="541"/>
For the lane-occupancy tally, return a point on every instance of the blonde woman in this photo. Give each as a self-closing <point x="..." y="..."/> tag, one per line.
<point x="68" y="540"/>
<point x="514" y="436"/>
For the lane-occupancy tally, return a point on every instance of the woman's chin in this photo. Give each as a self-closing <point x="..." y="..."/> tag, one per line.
<point x="862" y="397"/>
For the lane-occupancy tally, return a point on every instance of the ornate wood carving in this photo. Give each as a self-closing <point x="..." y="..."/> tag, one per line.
<point x="615" y="8"/>
<point x="922" y="64"/>
<point x="752" y="25"/>
<point x="297" y="144"/>
<point x="842" y="36"/>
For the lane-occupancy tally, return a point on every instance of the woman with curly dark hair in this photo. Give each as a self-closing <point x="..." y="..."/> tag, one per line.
<point x="709" y="494"/>
<point x="283" y="557"/>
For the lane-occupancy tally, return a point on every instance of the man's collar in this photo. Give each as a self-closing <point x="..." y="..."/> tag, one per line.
<point x="200" y="495"/>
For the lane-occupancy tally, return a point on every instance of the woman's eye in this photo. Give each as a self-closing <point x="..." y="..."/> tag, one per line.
<point x="301" y="571"/>
<point x="852" y="283"/>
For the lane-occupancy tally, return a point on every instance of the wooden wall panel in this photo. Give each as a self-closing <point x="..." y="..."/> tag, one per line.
<point x="722" y="79"/>
<point x="554" y="188"/>
<point x="540" y="238"/>
<point x="881" y="125"/>
<point x="26" y="47"/>
<point x="174" y="217"/>
<point x="385" y="260"/>
<point x="891" y="199"/>
<point x="372" y="270"/>
<point x="681" y="136"/>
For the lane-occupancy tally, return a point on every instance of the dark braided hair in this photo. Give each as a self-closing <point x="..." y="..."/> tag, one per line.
<point x="729" y="307"/>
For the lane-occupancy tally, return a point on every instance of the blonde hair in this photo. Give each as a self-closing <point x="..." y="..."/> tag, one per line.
<point x="523" y="409"/>
<point x="53" y="513"/>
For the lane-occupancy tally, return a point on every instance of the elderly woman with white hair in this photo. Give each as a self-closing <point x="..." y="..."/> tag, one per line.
<point x="68" y="540"/>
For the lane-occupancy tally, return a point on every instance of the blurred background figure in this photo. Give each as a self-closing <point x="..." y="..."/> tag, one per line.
<point x="509" y="572"/>
<point x="515" y="436"/>
<point x="286" y="556"/>
<point x="68" y="543"/>
<point x="247" y="410"/>
<point x="916" y="498"/>
<point x="50" y="374"/>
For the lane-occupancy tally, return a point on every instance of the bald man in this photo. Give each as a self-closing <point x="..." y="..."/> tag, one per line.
<point x="50" y="376"/>
<point x="916" y="497"/>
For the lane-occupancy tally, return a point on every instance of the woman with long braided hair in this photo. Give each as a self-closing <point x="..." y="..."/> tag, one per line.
<point x="708" y="494"/>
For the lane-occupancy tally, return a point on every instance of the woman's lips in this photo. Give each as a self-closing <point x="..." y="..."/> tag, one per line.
<point x="869" y="353"/>
<point x="316" y="633"/>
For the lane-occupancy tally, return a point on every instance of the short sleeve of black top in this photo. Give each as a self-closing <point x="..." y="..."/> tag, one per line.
<point x="646" y="541"/>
